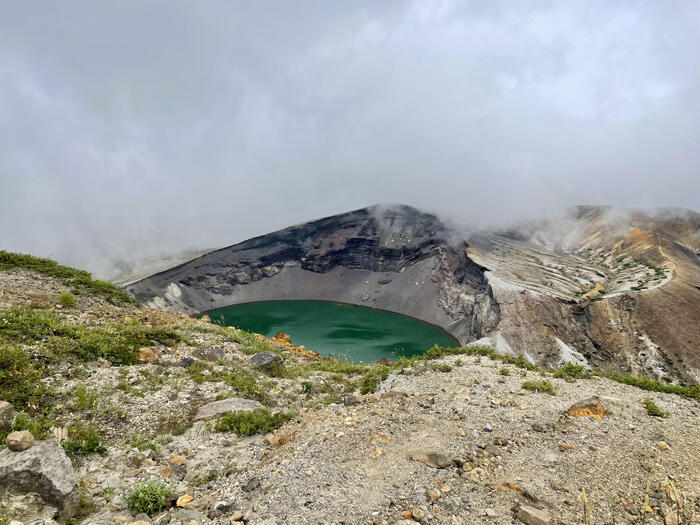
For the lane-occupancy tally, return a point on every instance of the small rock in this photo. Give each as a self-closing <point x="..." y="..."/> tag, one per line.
<point x="184" y="500"/>
<point x="266" y="360"/>
<point x="662" y="445"/>
<point x="432" y="494"/>
<point x="177" y="460"/>
<point x="149" y="354"/>
<point x="236" y="516"/>
<point x="487" y="428"/>
<point x="187" y="362"/>
<point x="592" y="407"/>
<point x="212" y="354"/>
<point x="252" y="484"/>
<point x="349" y="400"/>
<point x="432" y="459"/>
<point x="7" y="415"/>
<point x="491" y="513"/>
<point x="232" y="404"/>
<point x="103" y="362"/>
<point x="224" y="506"/>
<point x="532" y="516"/>
<point x="285" y="338"/>
<point x="566" y="446"/>
<point x="18" y="441"/>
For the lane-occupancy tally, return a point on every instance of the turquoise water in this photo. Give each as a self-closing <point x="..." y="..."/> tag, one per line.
<point x="354" y="333"/>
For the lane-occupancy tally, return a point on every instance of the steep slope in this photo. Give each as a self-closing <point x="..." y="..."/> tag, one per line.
<point x="605" y="287"/>
<point x="395" y="258"/>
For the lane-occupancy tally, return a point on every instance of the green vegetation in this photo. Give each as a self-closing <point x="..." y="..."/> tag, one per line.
<point x="647" y="383"/>
<point x="149" y="496"/>
<point x="142" y="442"/>
<point x="243" y="382"/>
<point x="84" y="399"/>
<point x="80" y="280"/>
<point x="504" y="371"/>
<point x="39" y="426"/>
<point x="116" y="342"/>
<point x="653" y="409"/>
<point x="372" y="379"/>
<point x="68" y="300"/>
<point x="539" y="386"/>
<point x="19" y="375"/>
<point x="255" y="422"/>
<point x="572" y="372"/>
<point x="83" y="440"/>
<point x="212" y="475"/>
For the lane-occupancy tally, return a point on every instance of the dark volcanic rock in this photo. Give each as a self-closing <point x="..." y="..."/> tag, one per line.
<point x="266" y="360"/>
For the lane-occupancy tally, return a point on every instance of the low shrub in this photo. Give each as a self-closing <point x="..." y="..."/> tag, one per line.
<point x="572" y="372"/>
<point x="83" y="440"/>
<point x="68" y="300"/>
<point x="647" y="383"/>
<point x="539" y="386"/>
<point x="19" y="376"/>
<point x="504" y="371"/>
<point x="149" y="496"/>
<point x="653" y="409"/>
<point x="259" y="421"/>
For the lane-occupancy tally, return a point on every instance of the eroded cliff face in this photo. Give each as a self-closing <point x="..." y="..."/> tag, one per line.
<point x="395" y="258"/>
<point x="601" y="287"/>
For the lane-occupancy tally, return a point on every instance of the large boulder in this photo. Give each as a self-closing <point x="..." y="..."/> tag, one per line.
<point x="232" y="404"/>
<point x="44" y="469"/>
<point x="266" y="360"/>
<point x="592" y="407"/>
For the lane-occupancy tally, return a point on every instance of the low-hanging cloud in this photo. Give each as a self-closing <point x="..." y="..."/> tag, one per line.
<point x="134" y="128"/>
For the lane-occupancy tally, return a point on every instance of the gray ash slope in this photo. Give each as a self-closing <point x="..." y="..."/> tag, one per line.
<point x="395" y="258"/>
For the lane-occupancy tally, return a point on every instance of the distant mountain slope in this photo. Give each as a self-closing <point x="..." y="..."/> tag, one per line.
<point x="601" y="286"/>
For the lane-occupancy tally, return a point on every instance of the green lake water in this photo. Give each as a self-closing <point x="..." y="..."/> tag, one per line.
<point x="353" y="333"/>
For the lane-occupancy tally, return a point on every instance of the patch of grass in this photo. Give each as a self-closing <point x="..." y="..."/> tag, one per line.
<point x="84" y="399"/>
<point x="572" y="372"/>
<point x="68" y="300"/>
<point x="442" y="367"/>
<point x="504" y="371"/>
<point x="212" y="475"/>
<point x="38" y="425"/>
<point x="653" y="409"/>
<point x="647" y="383"/>
<point x="149" y="496"/>
<point x="80" y="280"/>
<point x="83" y="440"/>
<point x="255" y="422"/>
<point x="243" y="382"/>
<point x="142" y="442"/>
<point x="539" y="386"/>
<point x="116" y="342"/>
<point x="372" y="378"/>
<point x="19" y="376"/>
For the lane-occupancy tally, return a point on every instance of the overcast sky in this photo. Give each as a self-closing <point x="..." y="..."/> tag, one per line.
<point x="129" y="128"/>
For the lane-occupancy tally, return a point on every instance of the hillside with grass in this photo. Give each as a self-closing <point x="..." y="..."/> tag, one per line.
<point x="159" y="417"/>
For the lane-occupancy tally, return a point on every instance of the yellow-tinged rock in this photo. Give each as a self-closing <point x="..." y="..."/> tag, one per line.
<point x="177" y="460"/>
<point x="184" y="500"/>
<point x="662" y="445"/>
